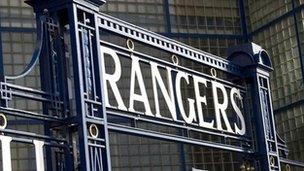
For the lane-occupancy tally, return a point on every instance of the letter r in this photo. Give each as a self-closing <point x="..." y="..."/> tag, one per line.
<point x="111" y="78"/>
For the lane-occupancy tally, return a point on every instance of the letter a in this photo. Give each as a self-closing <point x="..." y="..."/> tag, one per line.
<point x="136" y="72"/>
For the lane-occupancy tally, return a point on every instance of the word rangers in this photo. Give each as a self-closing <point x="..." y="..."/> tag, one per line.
<point x="172" y="95"/>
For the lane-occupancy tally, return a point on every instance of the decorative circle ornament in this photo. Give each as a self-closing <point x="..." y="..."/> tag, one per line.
<point x="213" y="72"/>
<point x="130" y="44"/>
<point x="3" y="121"/>
<point x="175" y="59"/>
<point x="93" y="129"/>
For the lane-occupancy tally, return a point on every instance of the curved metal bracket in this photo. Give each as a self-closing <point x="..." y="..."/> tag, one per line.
<point x="36" y="55"/>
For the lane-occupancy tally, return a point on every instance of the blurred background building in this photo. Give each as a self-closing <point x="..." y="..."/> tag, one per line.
<point x="210" y="25"/>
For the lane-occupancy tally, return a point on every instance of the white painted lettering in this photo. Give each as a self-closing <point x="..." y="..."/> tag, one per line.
<point x="192" y="117"/>
<point x="168" y="96"/>
<point x="220" y="109"/>
<point x="238" y="130"/>
<point x="199" y="100"/>
<point x="112" y="78"/>
<point x="136" y="73"/>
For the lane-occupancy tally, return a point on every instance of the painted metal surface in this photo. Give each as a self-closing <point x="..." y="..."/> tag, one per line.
<point x="72" y="64"/>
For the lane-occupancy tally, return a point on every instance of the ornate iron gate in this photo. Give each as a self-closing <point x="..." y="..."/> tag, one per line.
<point x="72" y="38"/>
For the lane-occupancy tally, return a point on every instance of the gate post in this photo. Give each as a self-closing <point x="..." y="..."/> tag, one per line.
<point x="87" y="121"/>
<point x="257" y="66"/>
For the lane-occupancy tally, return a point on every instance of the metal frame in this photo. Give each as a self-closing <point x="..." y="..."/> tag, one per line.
<point x="84" y="25"/>
<point x="46" y="98"/>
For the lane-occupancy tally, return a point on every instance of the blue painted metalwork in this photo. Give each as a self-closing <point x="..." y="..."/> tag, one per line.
<point x="243" y="20"/>
<point x="1" y="57"/>
<point x="166" y="7"/>
<point x="77" y="25"/>
<point x="150" y="38"/>
<point x="50" y="117"/>
<point x="18" y="29"/>
<point x="258" y="66"/>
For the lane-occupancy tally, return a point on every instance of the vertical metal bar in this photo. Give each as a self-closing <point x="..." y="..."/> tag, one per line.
<point x="64" y="92"/>
<point x="266" y="132"/>
<point x="106" y="157"/>
<point x="92" y="64"/>
<point x="166" y="7"/>
<point x="243" y="20"/>
<point x="256" y="74"/>
<point x="181" y="146"/>
<point x="46" y="81"/>
<point x="1" y="57"/>
<point x="2" y="102"/>
<point x="182" y="156"/>
<point x="79" y="89"/>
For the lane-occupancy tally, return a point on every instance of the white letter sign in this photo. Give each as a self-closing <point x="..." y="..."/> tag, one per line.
<point x="147" y="83"/>
<point x="112" y="78"/>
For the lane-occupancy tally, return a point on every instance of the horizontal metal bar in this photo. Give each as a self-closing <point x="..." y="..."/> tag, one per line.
<point x="96" y="145"/>
<point x="28" y="114"/>
<point x="168" y="137"/>
<point x="176" y="124"/>
<point x="125" y="52"/>
<point x="92" y="101"/>
<point x="25" y="122"/>
<point x="26" y="89"/>
<point x="29" y="96"/>
<point x="94" y="120"/>
<point x="85" y="26"/>
<point x="292" y="162"/>
<point x="30" y="134"/>
<point x="18" y="29"/>
<point x="30" y="141"/>
<point x="96" y="139"/>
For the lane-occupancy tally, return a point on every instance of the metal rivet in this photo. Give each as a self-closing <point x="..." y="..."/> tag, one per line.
<point x="3" y="121"/>
<point x="213" y="72"/>
<point x="272" y="161"/>
<point x="175" y="59"/>
<point x="130" y="44"/>
<point x="93" y="130"/>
